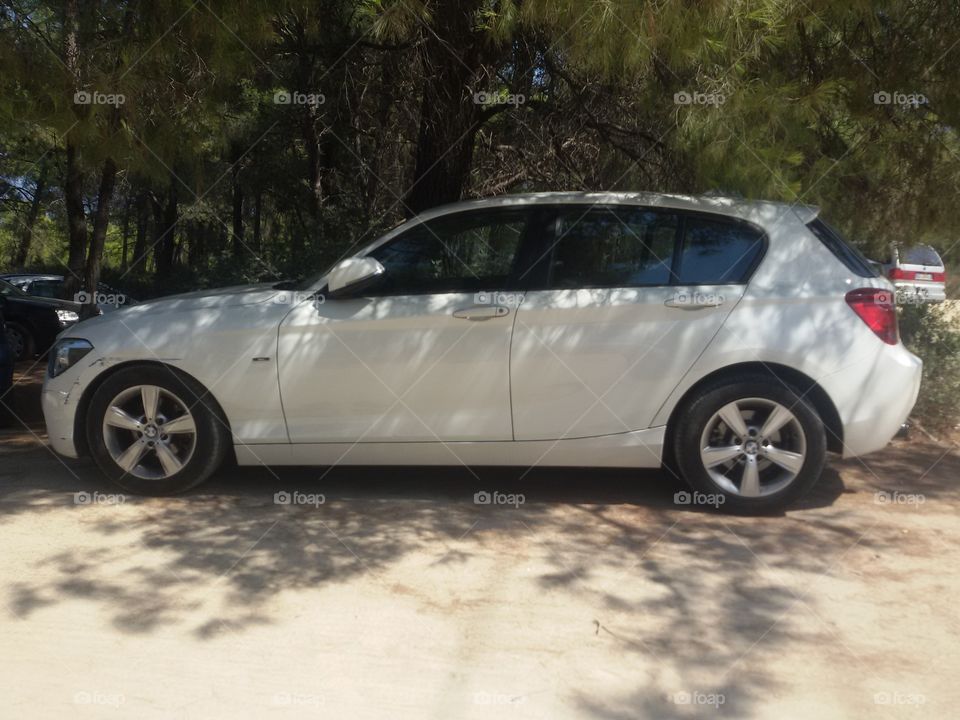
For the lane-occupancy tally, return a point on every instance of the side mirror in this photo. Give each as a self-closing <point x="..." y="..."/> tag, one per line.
<point x="353" y="274"/>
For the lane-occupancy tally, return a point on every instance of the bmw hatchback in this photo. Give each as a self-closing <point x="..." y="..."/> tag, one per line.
<point x="734" y="343"/>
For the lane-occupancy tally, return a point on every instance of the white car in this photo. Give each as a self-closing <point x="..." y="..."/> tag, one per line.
<point x="733" y="342"/>
<point x="918" y="274"/>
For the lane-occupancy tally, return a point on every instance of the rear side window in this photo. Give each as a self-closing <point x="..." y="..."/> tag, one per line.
<point x="717" y="253"/>
<point x="613" y="247"/>
<point x="854" y="261"/>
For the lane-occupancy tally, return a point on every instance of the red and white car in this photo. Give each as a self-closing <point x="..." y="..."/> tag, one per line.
<point x="918" y="274"/>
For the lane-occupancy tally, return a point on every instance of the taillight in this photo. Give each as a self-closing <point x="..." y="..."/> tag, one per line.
<point x="877" y="308"/>
<point x="898" y="274"/>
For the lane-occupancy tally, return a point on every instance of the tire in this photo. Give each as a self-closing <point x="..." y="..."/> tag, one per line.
<point x="21" y="340"/>
<point x="178" y="448"/>
<point x="772" y="469"/>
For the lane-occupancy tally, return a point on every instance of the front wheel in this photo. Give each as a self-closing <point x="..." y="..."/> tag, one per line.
<point x="22" y="346"/>
<point x="751" y="441"/>
<point x="154" y="431"/>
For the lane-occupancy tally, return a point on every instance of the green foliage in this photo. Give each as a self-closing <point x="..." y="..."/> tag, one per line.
<point x="931" y="334"/>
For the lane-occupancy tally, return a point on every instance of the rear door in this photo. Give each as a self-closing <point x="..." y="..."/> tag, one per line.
<point x="623" y="301"/>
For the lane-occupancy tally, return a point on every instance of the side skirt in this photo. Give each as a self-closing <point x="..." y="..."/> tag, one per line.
<point x="641" y="449"/>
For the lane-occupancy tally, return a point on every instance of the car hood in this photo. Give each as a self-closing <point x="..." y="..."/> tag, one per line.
<point x="208" y="299"/>
<point x="45" y="302"/>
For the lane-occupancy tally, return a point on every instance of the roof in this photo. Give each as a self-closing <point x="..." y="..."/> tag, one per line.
<point x="753" y="210"/>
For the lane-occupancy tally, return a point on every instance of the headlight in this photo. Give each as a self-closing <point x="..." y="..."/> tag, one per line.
<point x="65" y="354"/>
<point x="67" y="317"/>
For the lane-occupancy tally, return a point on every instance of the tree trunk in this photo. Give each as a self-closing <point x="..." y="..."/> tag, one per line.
<point x="449" y="115"/>
<point x="257" y="232"/>
<point x="26" y="238"/>
<point x="74" y="177"/>
<point x="237" y="233"/>
<point x="125" y="234"/>
<point x="101" y="220"/>
<point x="166" y="222"/>
<point x="140" y="244"/>
<point x="76" y="222"/>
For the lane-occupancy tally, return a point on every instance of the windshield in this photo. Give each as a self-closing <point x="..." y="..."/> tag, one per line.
<point x="920" y="255"/>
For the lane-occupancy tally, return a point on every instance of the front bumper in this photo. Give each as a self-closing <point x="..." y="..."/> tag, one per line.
<point x="59" y="412"/>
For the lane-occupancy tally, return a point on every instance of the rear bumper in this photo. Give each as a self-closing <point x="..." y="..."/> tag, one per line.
<point x="874" y="405"/>
<point x="920" y="292"/>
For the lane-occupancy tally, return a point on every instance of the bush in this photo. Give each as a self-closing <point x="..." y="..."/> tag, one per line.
<point x="928" y="332"/>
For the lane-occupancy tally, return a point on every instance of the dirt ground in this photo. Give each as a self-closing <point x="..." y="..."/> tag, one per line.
<point x="385" y="593"/>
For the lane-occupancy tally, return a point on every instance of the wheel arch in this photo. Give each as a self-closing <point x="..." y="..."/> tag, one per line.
<point x="799" y="382"/>
<point x="83" y="406"/>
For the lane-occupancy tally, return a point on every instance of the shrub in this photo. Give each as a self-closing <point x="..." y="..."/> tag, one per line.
<point x="929" y="332"/>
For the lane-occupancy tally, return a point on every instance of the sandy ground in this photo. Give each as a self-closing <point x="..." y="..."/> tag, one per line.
<point x="399" y="597"/>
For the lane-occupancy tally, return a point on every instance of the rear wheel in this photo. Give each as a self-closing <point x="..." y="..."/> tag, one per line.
<point x="21" y="342"/>
<point x="753" y="441"/>
<point x="154" y="431"/>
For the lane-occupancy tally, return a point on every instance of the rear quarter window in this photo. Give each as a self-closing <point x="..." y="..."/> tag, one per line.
<point x="854" y="261"/>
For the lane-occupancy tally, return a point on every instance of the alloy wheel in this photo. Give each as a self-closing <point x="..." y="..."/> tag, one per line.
<point x="149" y="432"/>
<point x="753" y="447"/>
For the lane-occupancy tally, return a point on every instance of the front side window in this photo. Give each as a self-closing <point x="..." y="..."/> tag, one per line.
<point x="613" y="247"/>
<point x="465" y="252"/>
<point x="716" y="252"/>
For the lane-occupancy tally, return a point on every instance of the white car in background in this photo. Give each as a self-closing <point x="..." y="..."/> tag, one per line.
<point x="918" y="274"/>
<point x="733" y="342"/>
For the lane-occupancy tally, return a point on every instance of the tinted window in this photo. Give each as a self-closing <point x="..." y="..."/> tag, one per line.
<point x="920" y="255"/>
<point x="850" y="257"/>
<point x="466" y="252"/>
<point x="613" y="247"/>
<point x="46" y="288"/>
<point x="716" y="252"/>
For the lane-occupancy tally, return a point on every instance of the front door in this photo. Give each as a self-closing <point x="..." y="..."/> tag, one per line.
<point x="424" y="355"/>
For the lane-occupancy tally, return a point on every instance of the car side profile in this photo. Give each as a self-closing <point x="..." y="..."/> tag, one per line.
<point x="731" y="342"/>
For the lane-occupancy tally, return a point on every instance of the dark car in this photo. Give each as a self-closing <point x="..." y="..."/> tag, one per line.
<point x="33" y="322"/>
<point x="6" y="363"/>
<point x="51" y="286"/>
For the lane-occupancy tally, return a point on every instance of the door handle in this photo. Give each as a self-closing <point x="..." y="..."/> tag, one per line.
<point x="694" y="302"/>
<point x="481" y="312"/>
